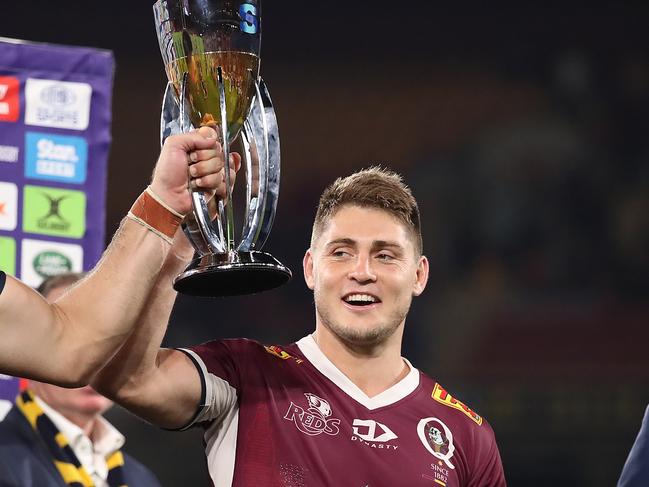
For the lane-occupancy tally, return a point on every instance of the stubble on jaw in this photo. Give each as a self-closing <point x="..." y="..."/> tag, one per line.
<point x="355" y="337"/>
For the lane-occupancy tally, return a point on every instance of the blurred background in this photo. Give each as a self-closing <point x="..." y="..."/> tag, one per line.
<point x="523" y="133"/>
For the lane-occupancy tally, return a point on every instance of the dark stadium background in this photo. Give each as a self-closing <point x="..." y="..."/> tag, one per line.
<point x="524" y="133"/>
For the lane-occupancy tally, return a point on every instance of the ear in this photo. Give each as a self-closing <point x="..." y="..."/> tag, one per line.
<point x="421" y="277"/>
<point x="307" y="265"/>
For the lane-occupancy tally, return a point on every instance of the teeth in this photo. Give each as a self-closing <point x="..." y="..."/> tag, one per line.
<point x="364" y="298"/>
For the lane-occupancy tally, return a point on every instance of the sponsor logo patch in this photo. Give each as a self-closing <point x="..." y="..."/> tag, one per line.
<point x="41" y="259"/>
<point x="56" y="157"/>
<point x="60" y="104"/>
<point x="9" y="99"/>
<point x="373" y="434"/>
<point x="278" y="352"/>
<point x="52" y="211"/>
<point x="443" y="397"/>
<point x="316" y="419"/>
<point x="8" y="206"/>
<point x="437" y="439"/>
<point x="8" y="255"/>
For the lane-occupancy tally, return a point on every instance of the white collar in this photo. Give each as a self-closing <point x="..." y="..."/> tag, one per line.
<point x="398" y="391"/>
<point x="107" y="439"/>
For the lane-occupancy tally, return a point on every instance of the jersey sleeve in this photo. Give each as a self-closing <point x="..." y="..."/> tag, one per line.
<point x="487" y="468"/>
<point x="221" y="366"/>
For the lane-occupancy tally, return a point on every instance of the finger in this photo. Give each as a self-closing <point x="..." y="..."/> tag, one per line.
<point x="204" y="154"/>
<point x="189" y="142"/>
<point x="235" y="161"/>
<point x="208" y="132"/>
<point x="203" y="168"/>
<point x="210" y="182"/>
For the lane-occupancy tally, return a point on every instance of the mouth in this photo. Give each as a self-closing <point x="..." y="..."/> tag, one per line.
<point x="361" y="300"/>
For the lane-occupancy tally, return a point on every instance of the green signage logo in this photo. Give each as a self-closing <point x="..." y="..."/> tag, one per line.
<point x="53" y="211"/>
<point x="51" y="263"/>
<point x="8" y="255"/>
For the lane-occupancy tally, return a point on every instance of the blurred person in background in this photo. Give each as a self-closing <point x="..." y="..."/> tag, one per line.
<point x="636" y="468"/>
<point x="339" y="407"/>
<point x="55" y="436"/>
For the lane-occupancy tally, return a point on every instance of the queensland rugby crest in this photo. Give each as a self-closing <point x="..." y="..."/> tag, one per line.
<point x="437" y="439"/>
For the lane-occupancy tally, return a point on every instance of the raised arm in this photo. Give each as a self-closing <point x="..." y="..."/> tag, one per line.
<point x="162" y="386"/>
<point x="68" y="341"/>
<point x="159" y="385"/>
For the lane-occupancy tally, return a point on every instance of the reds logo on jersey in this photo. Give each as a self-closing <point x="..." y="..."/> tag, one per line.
<point x="316" y="419"/>
<point x="443" y="397"/>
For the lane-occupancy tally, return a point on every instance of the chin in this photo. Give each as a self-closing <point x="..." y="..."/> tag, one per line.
<point x="364" y="337"/>
<point x="94" y="404"/>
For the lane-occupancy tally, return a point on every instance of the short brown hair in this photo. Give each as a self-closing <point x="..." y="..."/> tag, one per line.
<point x="374" y="187"/>
<point x="65" y="279"/>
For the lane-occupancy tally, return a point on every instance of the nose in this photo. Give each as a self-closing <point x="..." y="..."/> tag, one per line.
<point x="362" y="270"/>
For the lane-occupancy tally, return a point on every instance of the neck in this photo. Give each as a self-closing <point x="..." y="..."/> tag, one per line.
<point x="86" y="422"/>
<point x="373" y="368"/>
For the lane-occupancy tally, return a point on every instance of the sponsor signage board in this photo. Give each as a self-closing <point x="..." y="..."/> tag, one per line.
<point x="55" y="115"/>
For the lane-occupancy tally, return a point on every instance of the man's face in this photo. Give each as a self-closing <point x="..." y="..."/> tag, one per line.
<point x="83" y="402"/>
<point x="363" y="271"/>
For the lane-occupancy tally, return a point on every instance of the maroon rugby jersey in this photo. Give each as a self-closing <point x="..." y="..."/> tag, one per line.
<point x="287" y="417"/>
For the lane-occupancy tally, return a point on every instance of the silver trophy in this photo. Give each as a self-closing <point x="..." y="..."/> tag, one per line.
<point x="210" y="50"/>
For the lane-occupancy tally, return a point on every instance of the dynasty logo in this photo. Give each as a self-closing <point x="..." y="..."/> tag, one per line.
<point x="373" y="434"/>
<point x="316" y="419"/>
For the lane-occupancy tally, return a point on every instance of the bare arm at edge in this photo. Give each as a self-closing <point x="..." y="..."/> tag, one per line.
<point x="68" y="341"/>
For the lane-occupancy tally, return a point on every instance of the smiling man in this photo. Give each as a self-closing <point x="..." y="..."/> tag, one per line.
<point x="340" y="406"/>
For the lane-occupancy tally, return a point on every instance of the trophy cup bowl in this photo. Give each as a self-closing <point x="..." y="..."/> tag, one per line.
<point x="210" y="49"/>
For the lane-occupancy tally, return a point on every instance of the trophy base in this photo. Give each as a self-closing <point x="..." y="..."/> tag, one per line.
<point x="234" y="274"/>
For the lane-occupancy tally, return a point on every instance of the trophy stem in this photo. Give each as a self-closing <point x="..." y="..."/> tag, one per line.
<point x="229" y="206"/>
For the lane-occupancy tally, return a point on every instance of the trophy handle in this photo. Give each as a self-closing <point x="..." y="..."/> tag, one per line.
<point x="213" y="241"/>
<point x="260" y="138"/>
<point x="169" y="115"/>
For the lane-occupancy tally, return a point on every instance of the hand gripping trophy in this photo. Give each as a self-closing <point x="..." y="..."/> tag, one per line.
<point x="210" y="50"/>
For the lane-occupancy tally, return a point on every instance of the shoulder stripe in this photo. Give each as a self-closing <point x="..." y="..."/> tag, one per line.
<point x="201" y="373"/>
<point x="443" y="397"/>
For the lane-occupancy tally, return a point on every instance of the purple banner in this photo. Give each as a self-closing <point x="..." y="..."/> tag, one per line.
<point x="55" y="116"/>
<point x="9" y="387"/>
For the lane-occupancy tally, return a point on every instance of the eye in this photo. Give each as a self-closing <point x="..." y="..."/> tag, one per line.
<point x="340" y="253"/>
<point x="385" y="256"/>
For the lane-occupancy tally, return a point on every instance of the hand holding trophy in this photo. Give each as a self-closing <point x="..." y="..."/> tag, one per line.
<point x="210" y="50"/>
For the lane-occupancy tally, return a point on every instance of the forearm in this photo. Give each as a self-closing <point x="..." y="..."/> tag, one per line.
<point x="138" y="376"/>
<point x="69" y="340"/>
<point x="66" y="342"/>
